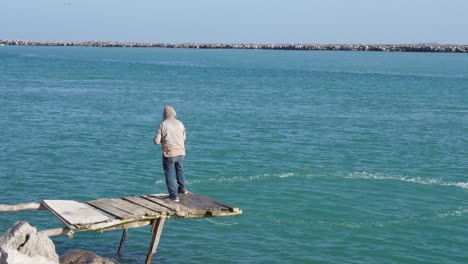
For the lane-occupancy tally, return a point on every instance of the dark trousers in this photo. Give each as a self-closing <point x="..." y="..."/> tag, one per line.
<point x="175" y="183"/>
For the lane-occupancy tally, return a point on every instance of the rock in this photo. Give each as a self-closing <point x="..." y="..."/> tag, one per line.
<point x="15" y="257"/>
<point x="21" y="243"/>
<point x="84" y="257"/>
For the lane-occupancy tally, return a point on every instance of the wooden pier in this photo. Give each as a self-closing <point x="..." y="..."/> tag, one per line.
<point x="127" y="212"/>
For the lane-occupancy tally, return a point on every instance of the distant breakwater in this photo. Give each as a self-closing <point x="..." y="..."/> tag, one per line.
<point x="449" y="48"/>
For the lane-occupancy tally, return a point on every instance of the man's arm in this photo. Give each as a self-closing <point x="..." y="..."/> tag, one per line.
<point x="157" y="137"/>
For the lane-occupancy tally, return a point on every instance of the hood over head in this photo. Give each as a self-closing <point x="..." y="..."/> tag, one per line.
<point x="168" y="112"/>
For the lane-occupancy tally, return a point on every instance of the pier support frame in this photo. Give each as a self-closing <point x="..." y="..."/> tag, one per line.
<point x="122" y="241"/>
<point x="156" y="229"/>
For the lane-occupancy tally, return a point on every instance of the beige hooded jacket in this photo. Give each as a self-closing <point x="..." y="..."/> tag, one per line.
<point x="171" y="134"/>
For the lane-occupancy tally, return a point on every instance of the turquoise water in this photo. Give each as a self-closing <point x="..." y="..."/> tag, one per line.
<point x="334" y="157"/>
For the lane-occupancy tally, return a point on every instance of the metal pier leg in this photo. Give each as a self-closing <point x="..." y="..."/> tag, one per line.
<point x="122" y="241"/>
<point x="157" y="230"/>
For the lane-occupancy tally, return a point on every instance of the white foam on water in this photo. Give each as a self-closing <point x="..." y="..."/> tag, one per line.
<point x="417" y="180"/>
<point x="350" y="225"/>
<point x="251" y="178"/>
<point x="463" y="185"/>
<point x="160" y="182"/>
<point x="453" y="213"/>
<point x="286" y="175"/>
<point x="237" y="178"/>
<point x="353" y="175"/>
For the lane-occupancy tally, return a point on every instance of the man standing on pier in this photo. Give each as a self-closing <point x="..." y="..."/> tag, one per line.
<point x="171" y="136"/>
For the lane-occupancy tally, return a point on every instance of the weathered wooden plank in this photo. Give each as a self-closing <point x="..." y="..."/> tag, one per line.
<point x="210" y="201"/>
<point x="179" y="208"/>
<point x="148" y="204"/>
<point x="204" y="206"/>
<point x="58" y="232"/>
<point x="117" y="224"/>
<point x="231" y="208"/>
<point x="122" y="241"/>
<point x="73" y="213"/>
<point x="157" y="230"/>
<point x="132" y="208"/>
<point x="199" y="202"/>
<point x="104" y="205"/>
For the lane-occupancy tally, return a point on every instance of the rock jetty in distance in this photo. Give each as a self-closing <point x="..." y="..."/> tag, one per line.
<point x="424" y="47"/>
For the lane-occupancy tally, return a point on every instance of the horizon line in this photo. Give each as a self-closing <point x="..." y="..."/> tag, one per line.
<point x="229" y="43"/>
<point x="417" y="47"/>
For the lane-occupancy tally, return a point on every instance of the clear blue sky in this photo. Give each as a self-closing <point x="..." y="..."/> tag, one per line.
<point x="237" y="21"/>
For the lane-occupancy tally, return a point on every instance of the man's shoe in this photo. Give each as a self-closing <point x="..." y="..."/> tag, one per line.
<point x="184" y="191"/>
<point x="176" y="199"/>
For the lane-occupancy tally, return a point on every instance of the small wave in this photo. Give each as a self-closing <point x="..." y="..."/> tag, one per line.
<point x="286" y="175"/>
<point x="418" y="180"/>
<point x="350" y="225"/>
<point x="463" y="185"/>
<point x="251" y="178"/>
<point x="353" y="175"/>
<point x="237" y="178"/>
<point x="160" y="182"/>
<point x="453" y="213"/>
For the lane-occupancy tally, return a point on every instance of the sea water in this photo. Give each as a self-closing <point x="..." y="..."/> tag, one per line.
<point x="334" y="157"/>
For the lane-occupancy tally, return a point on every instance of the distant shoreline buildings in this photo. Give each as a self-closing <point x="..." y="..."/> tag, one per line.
<point x="423" y="47"/>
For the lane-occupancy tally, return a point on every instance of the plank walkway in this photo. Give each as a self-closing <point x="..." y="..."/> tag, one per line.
<point x="103" y="214"/>
<point x="132" y="211"/>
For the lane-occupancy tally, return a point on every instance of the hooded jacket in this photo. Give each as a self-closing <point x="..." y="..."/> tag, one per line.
<point x="171" y="134"/>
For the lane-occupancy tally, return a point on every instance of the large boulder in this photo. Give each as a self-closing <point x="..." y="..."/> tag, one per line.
<point x="15" y="257"/>
<point x="84" y="257"/>
<point x="21" y="244"/>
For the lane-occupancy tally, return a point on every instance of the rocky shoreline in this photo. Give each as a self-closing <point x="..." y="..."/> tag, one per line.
<point x="23" y="244"/>
<point x="447" y="48"/>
